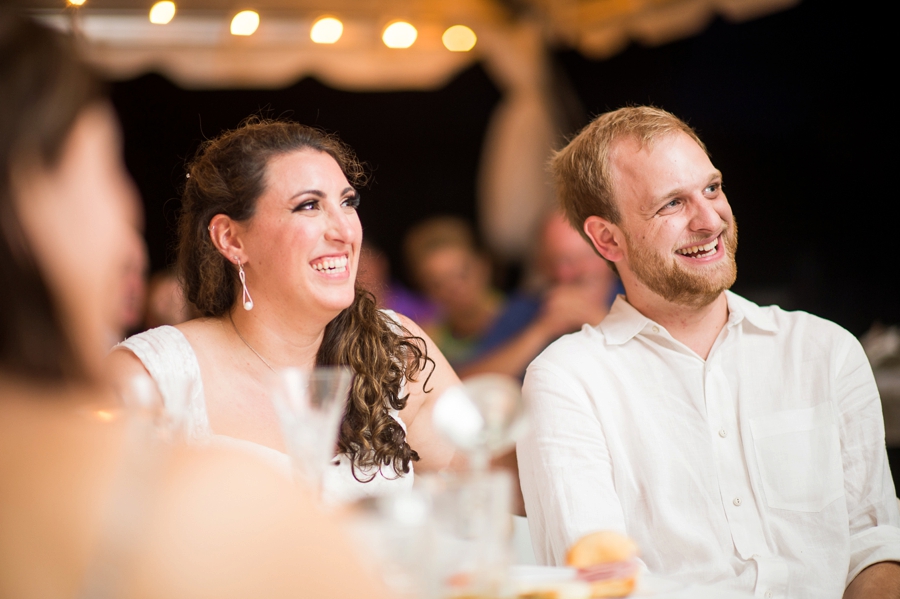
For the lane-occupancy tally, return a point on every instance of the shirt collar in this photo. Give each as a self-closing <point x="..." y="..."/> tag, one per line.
<point x="740" y="309"/>
<point x="624" y="321"/>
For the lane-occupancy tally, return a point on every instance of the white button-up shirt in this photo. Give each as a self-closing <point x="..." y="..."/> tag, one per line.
<point x="762" y="467"/>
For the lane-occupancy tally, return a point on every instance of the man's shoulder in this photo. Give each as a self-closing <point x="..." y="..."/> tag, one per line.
<point x="792" y="324"/>
<point x="569" y="350"/>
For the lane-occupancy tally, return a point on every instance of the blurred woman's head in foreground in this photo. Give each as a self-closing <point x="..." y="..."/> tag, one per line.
<point x="67" y="208"/>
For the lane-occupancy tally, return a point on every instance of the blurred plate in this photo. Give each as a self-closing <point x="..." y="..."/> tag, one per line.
<point x="539" y="576"/>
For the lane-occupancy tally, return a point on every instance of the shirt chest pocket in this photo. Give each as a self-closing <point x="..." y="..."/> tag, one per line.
<point x="799" y="457"/>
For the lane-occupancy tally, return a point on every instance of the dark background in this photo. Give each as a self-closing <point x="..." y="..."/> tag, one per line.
<point x="793" y="107"/>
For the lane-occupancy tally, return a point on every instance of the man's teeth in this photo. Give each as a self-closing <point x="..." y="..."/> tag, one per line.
<point x="331" y="264"/>
<point x="700" y="250"/>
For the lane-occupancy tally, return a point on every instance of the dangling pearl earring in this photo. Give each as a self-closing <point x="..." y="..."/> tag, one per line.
<point x="248" y="301"/>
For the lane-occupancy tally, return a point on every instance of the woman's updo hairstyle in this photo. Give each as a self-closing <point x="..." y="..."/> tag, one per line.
<point x="227" y="176"/>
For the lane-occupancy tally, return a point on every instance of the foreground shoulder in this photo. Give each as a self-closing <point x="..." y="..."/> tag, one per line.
<point x="572" y="348"/>
<point x="404" y="321"/>
<point x="806" y="327"/>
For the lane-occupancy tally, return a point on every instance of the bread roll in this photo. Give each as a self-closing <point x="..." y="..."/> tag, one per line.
<point x="606" y="560"/>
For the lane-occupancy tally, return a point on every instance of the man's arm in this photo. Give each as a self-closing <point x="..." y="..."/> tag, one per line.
<point x="564" y="465"/>
<point x="878" y="581"/>
<point x="873" y="515"/>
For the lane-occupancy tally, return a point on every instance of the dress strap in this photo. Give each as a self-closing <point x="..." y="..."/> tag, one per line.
<point x="169" y="358"/>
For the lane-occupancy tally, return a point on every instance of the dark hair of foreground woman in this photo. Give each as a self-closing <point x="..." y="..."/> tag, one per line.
<point x="90" y="507"/>
<point x="44" y="88"/>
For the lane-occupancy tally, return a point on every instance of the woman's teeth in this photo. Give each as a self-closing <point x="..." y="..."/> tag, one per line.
<point x="699" y="251"/>
<point x="331" y="265"/>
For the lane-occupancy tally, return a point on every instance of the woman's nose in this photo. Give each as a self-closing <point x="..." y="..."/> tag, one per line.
<point x="341" y="225"/>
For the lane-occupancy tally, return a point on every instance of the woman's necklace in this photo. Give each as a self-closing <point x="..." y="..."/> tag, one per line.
<point x="264" y="361"/>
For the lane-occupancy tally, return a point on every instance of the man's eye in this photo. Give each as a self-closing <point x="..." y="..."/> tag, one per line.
<point x="669" y="207"/>
<point x="714" y="188"/>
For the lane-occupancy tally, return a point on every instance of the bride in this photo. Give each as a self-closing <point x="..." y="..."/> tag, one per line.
<point x="269" y="243"/>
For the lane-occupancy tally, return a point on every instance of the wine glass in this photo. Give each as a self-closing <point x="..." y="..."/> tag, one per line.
<point x="394" y="534"/>
<point x="483" y="417"/>
<point x="472" y="533"/>
<point x="309" y="405"/>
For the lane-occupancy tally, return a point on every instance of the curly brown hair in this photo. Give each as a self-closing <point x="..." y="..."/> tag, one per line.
<point x="227" y="176"/>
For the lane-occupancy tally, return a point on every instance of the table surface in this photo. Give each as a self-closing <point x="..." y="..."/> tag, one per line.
<point x="648" y="584"/>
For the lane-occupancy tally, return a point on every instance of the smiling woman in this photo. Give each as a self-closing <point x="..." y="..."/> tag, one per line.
<point x="268" y="252"/>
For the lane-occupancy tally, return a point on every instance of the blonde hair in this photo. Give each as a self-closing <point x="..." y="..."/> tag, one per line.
<point x="581" y="170"/>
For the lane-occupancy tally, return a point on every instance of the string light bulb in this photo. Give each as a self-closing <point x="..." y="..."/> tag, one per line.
<point x="459" y="38"/>
<point x="399" y="34"/>
<point x="245" y="23"/>
<point x="326" y="30"/>
<point x="75" y="2"/>
<point x="162" y="12"/>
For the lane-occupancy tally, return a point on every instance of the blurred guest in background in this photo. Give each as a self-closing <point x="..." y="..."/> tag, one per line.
<point x="565" y="260"/>
<point x="574" y="286"/>
<point x="453" y="272"/>
<point x="133" y="289"/>
<point x="484" y="332"/>
<point x="269" y="243"/>
<point x="391" y="294"/>
<point x="166" y="304"/>
<point x="87" y="510"/>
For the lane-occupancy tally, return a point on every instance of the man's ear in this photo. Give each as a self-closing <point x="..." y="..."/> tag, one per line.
<point x="225" y="234"/>
<point x="606" y="237"/>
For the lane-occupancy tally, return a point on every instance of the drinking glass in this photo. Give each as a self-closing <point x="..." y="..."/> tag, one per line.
<point x="447" y="538"/>
<point x="309" y="405"/>
<point x="472" y="533"/>
<point x="483" y="417"/>
<point x="394" y="534"/>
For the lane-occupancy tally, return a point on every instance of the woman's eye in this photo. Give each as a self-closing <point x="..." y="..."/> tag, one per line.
<point x="352" y="201"/>
<point x="309" y="205"/>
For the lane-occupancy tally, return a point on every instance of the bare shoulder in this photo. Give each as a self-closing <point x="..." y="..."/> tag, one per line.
<point x="437" y="376"/>
<point x="411" y="326"/>
<point x="122" y="363"/>
<point x="201" y="330"/>
<point x="439" y="373"/>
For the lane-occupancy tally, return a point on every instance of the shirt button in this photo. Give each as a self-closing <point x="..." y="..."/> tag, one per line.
<point x="737" y="501"/>
<point x="768" y="594"/>
<point x="655" y="329"/>
<point x="722" y="433"/>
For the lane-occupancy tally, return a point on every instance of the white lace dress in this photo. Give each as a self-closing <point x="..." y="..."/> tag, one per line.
<point x="169" y="358"/>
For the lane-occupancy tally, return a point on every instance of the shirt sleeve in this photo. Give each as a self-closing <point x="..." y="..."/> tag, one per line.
<point x="872" y="507"/>
<point x="564" y="465"/>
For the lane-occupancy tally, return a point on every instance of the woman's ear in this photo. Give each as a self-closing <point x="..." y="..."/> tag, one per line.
<point x="225" y="234"/>
<point x="606" y="237"/>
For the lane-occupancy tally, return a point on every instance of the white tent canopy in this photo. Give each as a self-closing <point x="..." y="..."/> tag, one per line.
<point x="196" y="50"/>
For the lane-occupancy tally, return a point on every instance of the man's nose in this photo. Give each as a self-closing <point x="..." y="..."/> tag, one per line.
<point x="705" y="216"/>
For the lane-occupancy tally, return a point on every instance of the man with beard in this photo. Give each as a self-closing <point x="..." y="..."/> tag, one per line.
<point x="739" y="445"/>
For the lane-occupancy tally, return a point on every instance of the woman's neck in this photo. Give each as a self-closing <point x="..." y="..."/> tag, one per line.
<point x="278" y="342"/>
